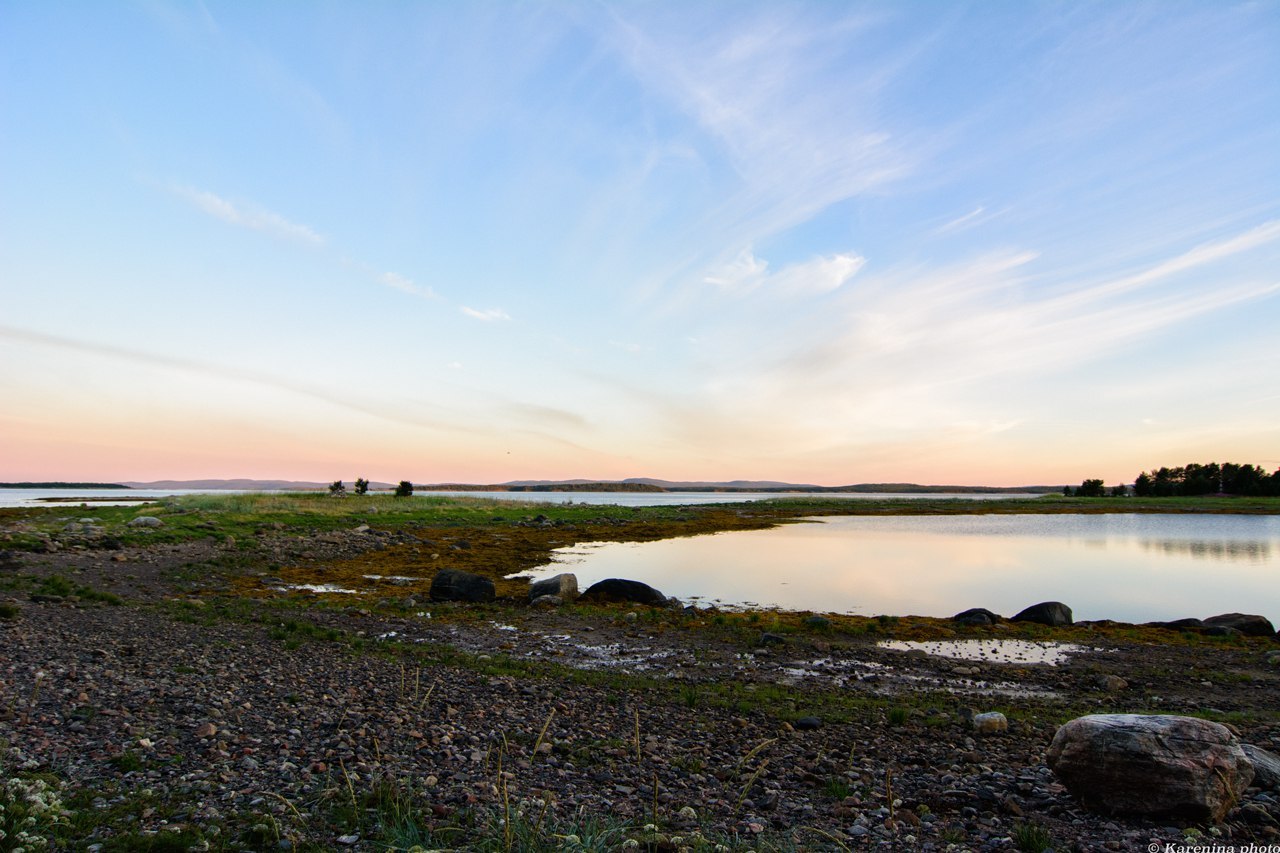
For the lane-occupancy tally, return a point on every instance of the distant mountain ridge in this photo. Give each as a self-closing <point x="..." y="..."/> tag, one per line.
<point x="243" y="484"/>
<point x="645" y="484"/>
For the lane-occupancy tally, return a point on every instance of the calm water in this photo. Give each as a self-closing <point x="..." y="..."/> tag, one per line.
<point x="120" y="497"/>
<point x="1134" y="568"/>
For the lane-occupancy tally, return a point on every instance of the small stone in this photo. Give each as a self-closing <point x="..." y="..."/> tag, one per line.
<point x="990" y="723"/>
<point x="1112" y="683"/>
<point x="348" y="839"/>
<point x="206" y="730"/>
<point x="808" y="724"/>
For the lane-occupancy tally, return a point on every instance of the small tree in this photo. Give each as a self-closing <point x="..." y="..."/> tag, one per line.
<point x="1091" y="489"/>
<point x="1067" y="491"/>
<point x="337" y="490"/>
<point x="1119" y="491"/>
<point x="405" y="489"/>
<point x="362" y="486"/>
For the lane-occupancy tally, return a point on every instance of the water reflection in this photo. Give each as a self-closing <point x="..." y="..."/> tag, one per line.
<point x="1251" y="552"/>
<point x="1127" y="567"/>
<point x="989" y="651"/>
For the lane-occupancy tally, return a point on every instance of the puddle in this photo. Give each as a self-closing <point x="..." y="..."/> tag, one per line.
<point x="883" y="679"/>
<point x="989" y="651"/>
<point x="317" y="587"/>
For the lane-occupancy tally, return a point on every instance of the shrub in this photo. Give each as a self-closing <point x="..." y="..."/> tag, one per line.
<point x="405" y="489"/>
<point x="29" y="808"/>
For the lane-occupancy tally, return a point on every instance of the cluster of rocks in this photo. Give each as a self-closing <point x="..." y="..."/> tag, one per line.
<point x="455" y="585"/>
<point x="1056" y="614"/>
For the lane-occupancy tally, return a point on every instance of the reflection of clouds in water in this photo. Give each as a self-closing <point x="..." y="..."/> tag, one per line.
<point x="1134" y="568"/>
<point x="1248" y="552"/>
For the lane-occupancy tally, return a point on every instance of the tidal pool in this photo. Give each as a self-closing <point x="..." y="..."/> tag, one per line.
<point x="1127" y="567"/>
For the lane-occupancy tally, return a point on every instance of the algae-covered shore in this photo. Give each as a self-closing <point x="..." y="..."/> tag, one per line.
<point x="179" y="700"/>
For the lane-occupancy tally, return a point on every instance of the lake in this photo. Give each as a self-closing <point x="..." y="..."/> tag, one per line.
<point x="1127" y="567"/>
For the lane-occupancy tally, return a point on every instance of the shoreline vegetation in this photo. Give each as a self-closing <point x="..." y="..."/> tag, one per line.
<point x="166" y="691"/>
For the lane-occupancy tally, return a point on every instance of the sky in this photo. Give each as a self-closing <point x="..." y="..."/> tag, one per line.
<point x="998" y="242"/>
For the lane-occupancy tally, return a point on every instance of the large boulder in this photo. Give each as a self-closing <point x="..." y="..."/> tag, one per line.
<point x="1052" y="613"/>
<point x="617" y="589"/>
<point x="977" y="616"/>
<point x="1153" y="765"/>
<point x="146" y="521"/>
<point x="453" y="585"/>
<point x="1247" y="624"/>
<point x="564" y="586"/>
<point x="1177" y="625"/>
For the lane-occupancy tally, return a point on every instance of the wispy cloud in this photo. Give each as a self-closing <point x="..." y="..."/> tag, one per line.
<point x="912" y="348"/>
<point x="747" y="274"/>
<point x="195" y="367"/>
<point x="779" y="92"/>
<point x="247" y="215"/>
<point x="978" y="216"/>
<point x="398" y="282"/>
<point x="490" y="315"/>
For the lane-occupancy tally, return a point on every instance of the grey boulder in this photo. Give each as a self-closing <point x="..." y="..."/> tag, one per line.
<point x="1052" y="613"/>
<point x="453" y="585"/>
<point x="1151" y="764"/>
<point x="1246" y="623"/>
<point x="1266" y="766"/>
<point x="146" y="521"/>
<point x="620" y="590"/>
<point x="977" y="616"/>
<point x="565" y="586"/>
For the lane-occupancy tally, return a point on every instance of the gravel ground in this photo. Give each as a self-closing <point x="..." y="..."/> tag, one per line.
<point x="163" y="717"/>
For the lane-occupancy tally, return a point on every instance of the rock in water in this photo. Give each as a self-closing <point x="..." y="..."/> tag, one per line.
<point x="617" y="589"/>
<point x="1246" y="623"/>
<point x="977" y="616"/>
<point x="453" y="585"/>
<point x="1052" y="613"/>
<point x="564" y="586"/>
<point x="1153" y="765"/>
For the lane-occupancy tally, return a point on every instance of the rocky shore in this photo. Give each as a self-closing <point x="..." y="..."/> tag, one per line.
<point x="170" y="709"/>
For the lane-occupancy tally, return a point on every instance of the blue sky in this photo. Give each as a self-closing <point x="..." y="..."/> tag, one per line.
<point x="997" y="242"/>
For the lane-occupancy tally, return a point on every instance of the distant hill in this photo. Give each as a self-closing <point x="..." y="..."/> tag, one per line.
<point x="746" y="485"/>
<point x="245" y="485"/>
<point x="62" y="486"/>
<point x="632" y="484"/>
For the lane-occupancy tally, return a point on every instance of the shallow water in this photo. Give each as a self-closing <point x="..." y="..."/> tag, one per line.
<point x="1127" y="567"/>
<point x="989" y="651"/>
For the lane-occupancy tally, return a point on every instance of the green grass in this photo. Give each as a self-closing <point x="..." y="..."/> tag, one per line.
<point x="1031" y="838"/>
<point x="244" y="515"/>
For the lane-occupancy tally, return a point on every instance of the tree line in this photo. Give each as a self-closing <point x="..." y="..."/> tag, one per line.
<point x="1229" y="478"/>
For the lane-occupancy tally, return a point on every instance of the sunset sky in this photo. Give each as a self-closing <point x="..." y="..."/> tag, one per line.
<point x="992" y="242"/>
